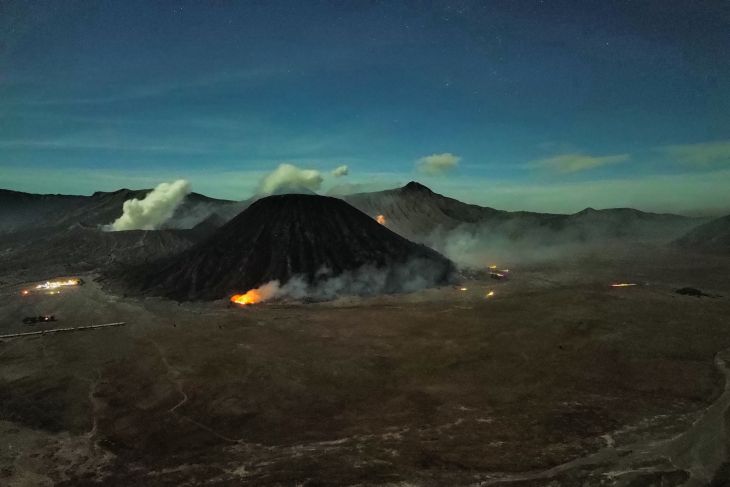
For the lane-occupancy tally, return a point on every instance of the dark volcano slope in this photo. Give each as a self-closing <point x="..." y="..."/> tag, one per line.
<point x="82" y="249"/>
<point x="280" y="237"/>
<point x="713" y="237"/>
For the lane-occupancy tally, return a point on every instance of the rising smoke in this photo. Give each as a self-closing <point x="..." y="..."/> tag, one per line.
<point x="341" y="171"/>
<point x="289" y="178"/>
<point x="153" y="210"/>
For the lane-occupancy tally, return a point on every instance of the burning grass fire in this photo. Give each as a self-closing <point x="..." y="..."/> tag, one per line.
<point x="380" y="219"/>
<point x="53" y="287"/>
<point x="623" y="284"/>
<point x="257" y="295"/>
<point x="251" y="297"/>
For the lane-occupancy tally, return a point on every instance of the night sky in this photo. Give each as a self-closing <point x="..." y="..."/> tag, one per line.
<point x="540" y="105"/>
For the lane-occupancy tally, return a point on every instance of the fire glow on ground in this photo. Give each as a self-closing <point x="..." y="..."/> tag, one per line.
<point x="52" y="287"/>
<point x="251" y="297"/>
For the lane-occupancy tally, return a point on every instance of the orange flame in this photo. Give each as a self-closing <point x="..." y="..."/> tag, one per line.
<point x="258" y="295"/>
<point x="380" y="219"/>
<point x="623" y="284"/>
<point x="489" y="294"/>
<point x="251" y="297"/>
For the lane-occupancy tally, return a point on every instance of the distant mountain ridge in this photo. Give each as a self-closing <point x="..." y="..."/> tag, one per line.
<point x="70" y="224"/>
<point x="418" y="213"/>
<point x="713" y="236"/>
<point x="61" y="233"/>
<point x="22" y="211"/>
<point x="414" y="209"/>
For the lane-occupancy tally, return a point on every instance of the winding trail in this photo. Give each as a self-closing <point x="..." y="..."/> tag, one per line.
<point x="699" y="451"/>
<point x="175" y="377"/>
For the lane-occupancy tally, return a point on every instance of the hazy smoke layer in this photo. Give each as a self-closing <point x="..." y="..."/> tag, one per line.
<point x="526" y="240"/>
<point x="153" y="210"/>
<point x="411" y="276"/>
<point x="478" y="247"/>
<point x="288" y="177"/>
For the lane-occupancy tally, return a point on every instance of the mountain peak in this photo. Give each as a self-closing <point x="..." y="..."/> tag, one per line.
<point x="415" y="186"/>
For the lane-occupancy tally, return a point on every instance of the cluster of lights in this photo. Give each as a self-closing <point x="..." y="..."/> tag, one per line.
<point x="53" y="287"/>
<point x="497" y="273"/>
<point x="57" y="284"/>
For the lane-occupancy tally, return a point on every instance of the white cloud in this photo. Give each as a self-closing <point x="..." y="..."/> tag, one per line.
<point x="437" y="164"/>
<point x="288" y="178"/>
<point x="578" y="162"/>
<point x="340" y="171"/>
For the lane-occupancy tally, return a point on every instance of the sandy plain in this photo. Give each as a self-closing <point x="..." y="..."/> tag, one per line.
<point x="557" y="379"/>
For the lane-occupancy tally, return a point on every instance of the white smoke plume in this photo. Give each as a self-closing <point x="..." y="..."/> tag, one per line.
<point x="340" y="171"/>
<point x="290" y="178"/>
<point x="153" y="210"/>
<point x="414" y="275"/>
<point x="268" y="291"/>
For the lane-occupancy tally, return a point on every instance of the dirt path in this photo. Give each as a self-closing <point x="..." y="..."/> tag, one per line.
<point x="699" y="451"/>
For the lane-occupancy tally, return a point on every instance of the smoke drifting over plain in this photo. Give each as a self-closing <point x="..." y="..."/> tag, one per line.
<point x="289" y="178"/>
<point x="475" y="248"/>
<point x="368" y="280"/>
<point x="153" y="210"/>
<point x="529" y="241"/>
